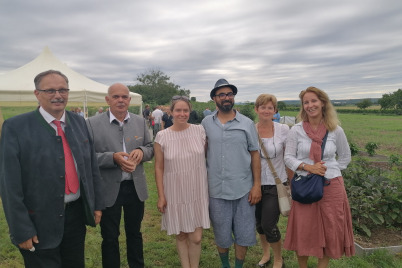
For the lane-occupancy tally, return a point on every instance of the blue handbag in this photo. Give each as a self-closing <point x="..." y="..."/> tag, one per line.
<point x="309" y="189"/>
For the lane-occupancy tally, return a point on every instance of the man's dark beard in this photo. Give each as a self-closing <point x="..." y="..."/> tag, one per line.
<point x="225" y="108"/>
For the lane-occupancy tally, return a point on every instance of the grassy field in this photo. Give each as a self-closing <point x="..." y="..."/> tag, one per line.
<point x="363" y="128"/>
<point x="354" y="107"/>
<point x="160" y="249"/>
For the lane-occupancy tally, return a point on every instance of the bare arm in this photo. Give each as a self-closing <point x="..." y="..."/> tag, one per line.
<point x="159" y="168"/>
<point x="255" y="193"/>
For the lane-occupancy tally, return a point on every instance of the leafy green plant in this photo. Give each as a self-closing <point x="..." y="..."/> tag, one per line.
<point x="394" y="160"/>
<point x="375" y="199"/>
<point x="248" y="110"/>
<point x="371" y="147"/>
<point x="354" y="150"/>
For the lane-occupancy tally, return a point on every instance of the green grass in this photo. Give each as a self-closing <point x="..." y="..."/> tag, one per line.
<point x="13" y="111"/>
<point x="385" y="130"/>
<point x="160" y="249"/>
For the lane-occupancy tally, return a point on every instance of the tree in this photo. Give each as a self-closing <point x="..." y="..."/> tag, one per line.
<point x="156" y="88"/>
<point x="391" y="101"/>
<point x="386" y="102"/>
<point x="281" y="105"/>
<point x="364" y="104"/>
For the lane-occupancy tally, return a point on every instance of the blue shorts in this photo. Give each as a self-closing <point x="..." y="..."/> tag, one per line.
<point x="233" y="221"/>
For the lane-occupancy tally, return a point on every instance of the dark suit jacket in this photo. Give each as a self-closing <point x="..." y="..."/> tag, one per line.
<point x="108" y="139"/>
<point x="32" y="176"/>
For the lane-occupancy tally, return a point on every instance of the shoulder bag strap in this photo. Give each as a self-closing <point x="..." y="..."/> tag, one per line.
<point x="324" y="141"/>
<point x="271" y="167"/>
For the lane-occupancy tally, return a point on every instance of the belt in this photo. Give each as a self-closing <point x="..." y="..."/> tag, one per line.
<point x="267" y="187"/>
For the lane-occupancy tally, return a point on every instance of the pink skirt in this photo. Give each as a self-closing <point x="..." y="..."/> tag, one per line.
<point x="323" y="228"/>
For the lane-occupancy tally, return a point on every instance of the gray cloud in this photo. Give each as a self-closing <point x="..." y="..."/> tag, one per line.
<point x="351" y="49"/>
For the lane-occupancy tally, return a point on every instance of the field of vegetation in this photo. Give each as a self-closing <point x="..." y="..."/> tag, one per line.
<point x="384" y="130"/>
<point x="160" y="250"/>
<point x="354" y="107"/>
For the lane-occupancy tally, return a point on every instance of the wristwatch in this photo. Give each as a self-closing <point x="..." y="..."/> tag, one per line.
<point x="303" y="166"/>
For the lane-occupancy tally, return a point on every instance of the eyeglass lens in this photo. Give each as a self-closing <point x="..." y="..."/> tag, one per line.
<point x="224" y="95"/>
<point x="53" y="91"/>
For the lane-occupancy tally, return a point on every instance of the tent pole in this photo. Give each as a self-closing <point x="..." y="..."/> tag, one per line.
<point x="85" y="105"/>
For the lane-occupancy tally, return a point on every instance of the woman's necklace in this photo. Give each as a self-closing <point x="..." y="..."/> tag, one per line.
<point x="265" y="130"/>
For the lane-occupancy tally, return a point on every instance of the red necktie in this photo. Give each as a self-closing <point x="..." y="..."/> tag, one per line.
<point x="71" y="185"/>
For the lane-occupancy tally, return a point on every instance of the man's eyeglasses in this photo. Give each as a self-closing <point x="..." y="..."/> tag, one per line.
<point x="62" y="91"/>
<point x="222" y="96"/>
<point x="178" y="97"/>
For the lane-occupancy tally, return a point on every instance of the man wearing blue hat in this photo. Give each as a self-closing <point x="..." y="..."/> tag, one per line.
<point x="233" y="174"/>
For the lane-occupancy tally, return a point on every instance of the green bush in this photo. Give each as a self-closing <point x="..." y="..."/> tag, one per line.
<point x="248" y="110"/>
<point x="371" y="147"/>
<point x="394" y="160"/>
<point x="354" y="150"/>
<point x="375" y="198"/>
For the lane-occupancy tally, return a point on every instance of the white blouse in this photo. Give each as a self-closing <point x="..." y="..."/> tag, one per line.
<point x="275" y="147"/>
<point x="337" y="154"/>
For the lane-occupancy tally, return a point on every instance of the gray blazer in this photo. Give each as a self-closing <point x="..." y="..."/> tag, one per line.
<point x="108" y="139"/>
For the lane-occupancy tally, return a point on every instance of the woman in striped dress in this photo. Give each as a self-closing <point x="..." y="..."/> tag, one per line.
<point x="181" y="179"/>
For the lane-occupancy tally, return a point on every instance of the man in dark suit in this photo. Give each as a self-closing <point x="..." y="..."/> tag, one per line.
<point x="49" y="178"/>
<point x="122" y="143"/>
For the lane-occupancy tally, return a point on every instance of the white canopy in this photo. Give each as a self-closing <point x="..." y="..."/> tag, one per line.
<point x="17" y="86"/>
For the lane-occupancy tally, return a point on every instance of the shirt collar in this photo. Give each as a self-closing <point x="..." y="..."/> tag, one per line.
<point x="50" y="118"/>
<point x="112" y="117"/>
<point x="215" y="115"/>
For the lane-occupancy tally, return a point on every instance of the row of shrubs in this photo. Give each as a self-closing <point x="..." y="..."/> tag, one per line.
<point x="356" y="111"/>
<point x="375" y="112"/>
<point x="375" y="195"/>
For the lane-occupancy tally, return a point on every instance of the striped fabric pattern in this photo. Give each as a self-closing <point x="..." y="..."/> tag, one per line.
<point x="184" y="179"/>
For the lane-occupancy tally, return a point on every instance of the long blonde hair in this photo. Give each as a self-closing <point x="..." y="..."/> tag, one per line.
<point x="329" y="114"/>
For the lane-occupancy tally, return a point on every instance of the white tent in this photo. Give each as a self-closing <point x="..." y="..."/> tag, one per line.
<point x="16" y="87"/>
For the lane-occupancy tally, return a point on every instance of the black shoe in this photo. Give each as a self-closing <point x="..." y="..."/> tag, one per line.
<point x="264" y="264"/>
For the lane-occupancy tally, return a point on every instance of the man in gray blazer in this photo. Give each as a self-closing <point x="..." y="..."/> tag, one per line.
<point x="122" y="143"/>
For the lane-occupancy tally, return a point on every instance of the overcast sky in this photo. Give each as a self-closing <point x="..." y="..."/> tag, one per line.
<point x="349" y="48"/>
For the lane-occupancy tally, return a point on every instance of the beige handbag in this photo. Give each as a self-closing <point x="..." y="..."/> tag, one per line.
<point x="284" y="197"/>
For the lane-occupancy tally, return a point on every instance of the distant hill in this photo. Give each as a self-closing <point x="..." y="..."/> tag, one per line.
<point x="336" y="102"/>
